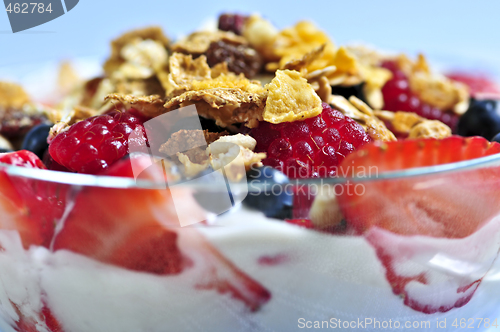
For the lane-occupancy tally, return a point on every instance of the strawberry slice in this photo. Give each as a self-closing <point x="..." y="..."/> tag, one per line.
<point x="436" y="235"/>
<point x="27" y="205"/>
<point x="480" y="86"/>
<point x="139" y="229"/>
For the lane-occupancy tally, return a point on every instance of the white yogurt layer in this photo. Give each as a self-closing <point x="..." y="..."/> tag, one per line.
<point x="313" y="276"/>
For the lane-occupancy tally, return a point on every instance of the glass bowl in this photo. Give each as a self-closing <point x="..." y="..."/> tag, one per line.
<point x="100" y="253"/>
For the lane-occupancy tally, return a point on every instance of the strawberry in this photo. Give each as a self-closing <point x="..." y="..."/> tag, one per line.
<point x="138" y="229"/>
<point x="480" y="86"/>
<point x="29" y="206"/>
<point x="419" y="225"/>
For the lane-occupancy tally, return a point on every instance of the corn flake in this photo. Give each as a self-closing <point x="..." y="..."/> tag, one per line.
<point x="290" y="98"/>
<point x="198" y="42"/>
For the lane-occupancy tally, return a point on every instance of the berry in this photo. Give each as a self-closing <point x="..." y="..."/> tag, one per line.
<point x="409" y="219"/>
<point x="36" y="139"/>
<point x="481" y="119"/>
<point x="93" y="145"/>
<point x="138" y="229"/>
<point x="239" y="58"/>
<point x="479" y="86"/>
<point x="16" y="124"/>
<point x="22" y="158"/>
<point x="268" y="192"/>
<point x="399" y="97"/>
<point x="306" y="223"/>
<point x="29" y="206"/>
<point x="310" y="148"/>
<point x="232" y="22"/>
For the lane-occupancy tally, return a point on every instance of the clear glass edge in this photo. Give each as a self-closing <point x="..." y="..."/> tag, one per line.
<point x="86" y="180"/>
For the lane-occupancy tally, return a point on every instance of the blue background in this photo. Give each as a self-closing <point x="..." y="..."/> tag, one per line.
<point x="460" y="29"/>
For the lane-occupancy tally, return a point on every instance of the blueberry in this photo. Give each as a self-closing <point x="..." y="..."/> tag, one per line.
<point x="36" y="139"/>
<point x="347" y="91"/>
<point x="481" y="119"/>
<point x="269" y="193"/>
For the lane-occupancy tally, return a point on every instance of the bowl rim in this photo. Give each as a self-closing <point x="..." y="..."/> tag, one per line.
<point x="115" y="182"/>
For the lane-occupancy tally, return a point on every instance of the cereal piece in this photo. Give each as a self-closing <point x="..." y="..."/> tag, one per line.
<point x="142" y="59"/>
<point x="290" y="98"/>
<point x="12" y="96"/>
<point x="219" y="69"/>
<point x="190" y="168"/>
<point x="261" y="35"/>
<point x="182" y="70"/>
<point x="294" y="42"/>
<point x="233" y="151"/>
<point x="225" y="106"/>
<point x="307" y="59"/>
<point x="434" y="89"/>
<point x="149" y="106"/>
<point x="149" y="33"/>
<point x="430" y="129"/>
<point x="363" y="115"/>
<point x="198" y="42"/>
<point x="404" y="121"/>
<point x="67" y="79"/>
<point x="324" y="90"/>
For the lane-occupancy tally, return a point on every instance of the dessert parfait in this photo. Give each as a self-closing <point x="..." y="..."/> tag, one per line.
<point x="359" y="189"/>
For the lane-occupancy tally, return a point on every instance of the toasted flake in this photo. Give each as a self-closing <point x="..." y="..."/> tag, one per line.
<point x="182" y="70"/>
<point x="302" y="63"/>
<point x="225" y="106"/>
<point x="232" y="151"/>
<point x="324" y="90"/>
<point x="432" y="88"/>
<point x="187" y="74"/>
<point x="198" y="42"/>
<point x="12" y="96"/>
<point x="261" y="35"/>
<point x="149" y="106"/>
<point x="364" y="116"/>
<point x="191" y="168"/>
<point x="149" y="33"/>
<point x="430" y="129"/>
<point x="290" y="98"/>
<point x="219" y="69"/>
<point x="295" y="42"/>
<point x="67" y="78"/>
<point x="142" y="59"/>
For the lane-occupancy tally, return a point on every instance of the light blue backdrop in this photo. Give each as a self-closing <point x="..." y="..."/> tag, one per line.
<point x="465" y="29"/>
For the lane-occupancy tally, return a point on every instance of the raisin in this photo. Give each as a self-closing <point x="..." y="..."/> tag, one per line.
<point x="232" y="22"/>
<point x="239" y="58"/>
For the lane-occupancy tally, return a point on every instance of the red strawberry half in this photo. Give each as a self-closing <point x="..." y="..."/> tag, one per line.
<point x="436" y="235"/>
<point x="29" y="206"/>
<point x="138" y="229"/>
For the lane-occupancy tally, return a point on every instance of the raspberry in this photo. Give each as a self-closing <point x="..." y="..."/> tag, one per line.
<point x="310" y="148"/>
<point x="92" y="145"/>
<point x="398" y="97"/>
